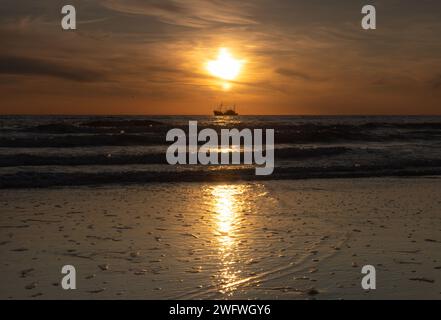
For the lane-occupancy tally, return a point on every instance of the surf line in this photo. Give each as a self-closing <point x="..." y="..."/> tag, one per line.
<point x="186" y="150"/>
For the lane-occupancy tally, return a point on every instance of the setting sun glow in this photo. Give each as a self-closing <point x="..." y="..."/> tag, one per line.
<point x="226" y="67"/>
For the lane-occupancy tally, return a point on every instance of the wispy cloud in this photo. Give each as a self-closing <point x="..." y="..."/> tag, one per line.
<point x="435" y="82"/>
<point x="291" y="73"/>
<point x="188" y="13"/>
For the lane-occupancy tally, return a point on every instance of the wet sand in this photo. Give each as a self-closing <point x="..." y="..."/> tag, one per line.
<point x="254" y="240"/>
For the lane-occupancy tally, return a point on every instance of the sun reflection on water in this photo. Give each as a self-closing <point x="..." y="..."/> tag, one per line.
<point x="228" y="207"/>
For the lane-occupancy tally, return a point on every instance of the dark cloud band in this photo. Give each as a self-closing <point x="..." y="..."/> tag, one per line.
<point x="30" y="66"/>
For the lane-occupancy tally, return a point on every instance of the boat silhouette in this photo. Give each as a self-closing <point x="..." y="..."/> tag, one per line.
<point x="229" y="111"/>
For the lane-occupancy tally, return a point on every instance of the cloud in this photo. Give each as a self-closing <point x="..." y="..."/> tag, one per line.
<point x="436" y="82"/>
<point x="15" y="65"/>
<point x="187" y="13"/>
<point x="290" y="73"/>
<point x="156" y="51"/>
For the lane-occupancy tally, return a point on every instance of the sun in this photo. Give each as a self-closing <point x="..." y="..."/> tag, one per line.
<point x="226" y="67"/>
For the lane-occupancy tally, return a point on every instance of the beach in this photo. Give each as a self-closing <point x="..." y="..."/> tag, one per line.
<point x="201" y="154"/>
<point x="280" y="239"/>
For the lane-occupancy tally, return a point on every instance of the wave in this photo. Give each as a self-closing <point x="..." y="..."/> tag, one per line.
<point x="156" y="136"/>
<point x="15" y="160"/>
<point x="78" y="141"/>
<point x="133" y="126"/>
<point x="122" y="123"/>
<point x="85" y="150"/>
<point x="41" y="179"/>
<point x="83" y="132"/>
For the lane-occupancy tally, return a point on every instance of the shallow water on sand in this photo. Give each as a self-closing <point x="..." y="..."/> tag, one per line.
<point x="277" y="239"/>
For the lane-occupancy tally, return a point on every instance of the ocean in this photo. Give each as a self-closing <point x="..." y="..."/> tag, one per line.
<point x="97" y="193"/>
<point x="49" y="151"/>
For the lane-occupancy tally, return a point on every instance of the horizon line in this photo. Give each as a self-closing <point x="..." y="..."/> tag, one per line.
<point x="210" y="115"/>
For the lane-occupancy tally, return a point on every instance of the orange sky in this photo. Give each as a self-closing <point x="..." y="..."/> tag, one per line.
<point x="149" y="57"/>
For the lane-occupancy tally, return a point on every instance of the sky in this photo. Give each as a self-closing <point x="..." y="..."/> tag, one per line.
<point x="300" y="57"/>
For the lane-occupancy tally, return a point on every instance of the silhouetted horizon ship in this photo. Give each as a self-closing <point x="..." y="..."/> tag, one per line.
<point x="229" y="111"/>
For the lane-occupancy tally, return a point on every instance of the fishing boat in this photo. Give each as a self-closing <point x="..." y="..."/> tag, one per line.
<point x="229" y="111"/>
